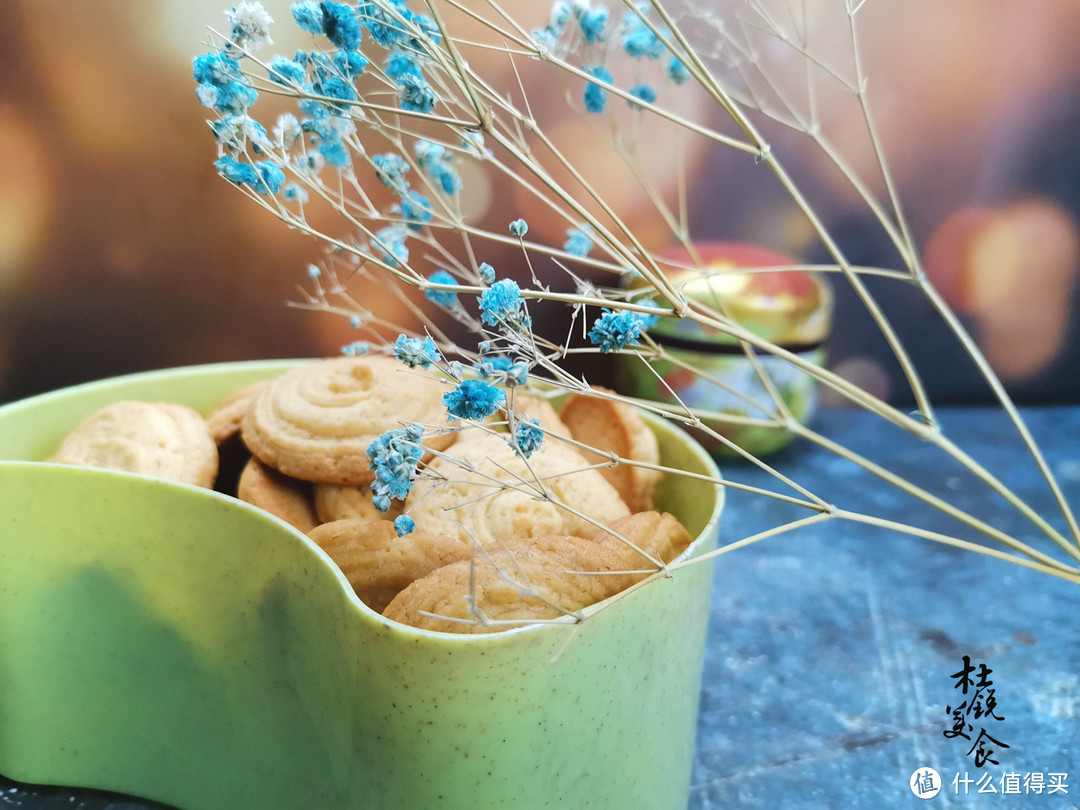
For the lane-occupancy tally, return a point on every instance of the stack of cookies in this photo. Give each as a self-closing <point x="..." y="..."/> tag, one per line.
<point x="499" y="540"/>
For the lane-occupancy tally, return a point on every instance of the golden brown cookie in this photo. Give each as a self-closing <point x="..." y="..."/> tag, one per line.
<point x="615" y="427"/>
<point x="378" y="563"/>
<point x="525" y="580"/>
<point x="225" y="419"/>
<point x="339" y="502"/>
<point x="287" y="498"/>
<point x="487" y="492"/>
<point x="535" y="407"/>
<point x="658" y="534"/>
<point x="540" y="578"/>
<point x="316" y="421"/>
<point x="159" y="439"/>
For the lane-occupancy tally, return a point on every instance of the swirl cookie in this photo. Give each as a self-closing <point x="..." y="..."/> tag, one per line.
<point x="615" y="427"/>
<point x="287" y="498"/>
<point x="485" y="490"/>
<point x="540" y="578"/>
<point x="159" y="439"/>
<point x="316" y="421"/>
<point x="378" y="563"/>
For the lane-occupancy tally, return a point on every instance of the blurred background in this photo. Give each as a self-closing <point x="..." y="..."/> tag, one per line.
<point x="121" y="250"/>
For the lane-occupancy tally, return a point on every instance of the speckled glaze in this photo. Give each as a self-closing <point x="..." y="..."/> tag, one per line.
<point x="176" y="644"/>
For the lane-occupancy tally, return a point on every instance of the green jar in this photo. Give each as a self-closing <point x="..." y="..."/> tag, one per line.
<point x="709" y="371"/>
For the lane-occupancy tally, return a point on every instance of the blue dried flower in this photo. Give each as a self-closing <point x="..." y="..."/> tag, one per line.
<point x="235" y="131"/>
<point x="579" y="241"/>
<point x="401" y="66"/>
<point x="393" y="457"/>
<point x="415" y="352"/>
<point x="381" y="503"/>
<point x="528" y="436"/>
<point x="435" y="160"/>
<point x="519" y="228"/>
<point x="351" y="63"/>
<point x="490" y="366"/>
<point x="294" y="193"/>
<point x="487" y="273"/>
<point x="403" y="524"/>
<point x="416" y="210"/>
<point x="335" y="153"/>
<point x="473" y="399"/>
<point x="340" y="24"/>
<point x="546" y="37"/>
<point x="638" y="40"/>
<point x="215" y="69"/>
<point x="518" y="373"/>
<point x="392" y="237"/>
<point x="243" y="174"/>
<point x="335" y="87"/>
<point x="390" y="169"/>
<point x="385" y="28"/>
<point x="592" y="23"/>
<point x="427" y="27"/>
<point x="595" y="96"/>
<point x="501" y="303"/>
<point x="677" y="71"/>
<point x="560" y="15"/>
<point x="445" y="298"/>
<point x="644" y="92"/>
<point x="309" y="16"/>
<point x="284" y="70"/>
<point x="648" y="321"/>
<point x="356" y="348"/>
<point x="232" y="97"/>
<point x="415" y="95"/>
<point x="271" y="176"/>
<point x="613" y="330"/>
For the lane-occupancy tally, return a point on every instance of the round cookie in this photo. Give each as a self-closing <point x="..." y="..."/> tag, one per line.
<point x="530" y="406"/>
<point x="487" y="492"/>
<point x="608" y="426"/>
<point x="534" y="579"/>
<point x="315" y="422"/>
<point x="225" y="419"/>
<point x="539" y="578"/>
<point x="378" y="563"/>
<point x="340" y="502"/>
<point x="287" y="498"/>
<point x="159" y="439"/>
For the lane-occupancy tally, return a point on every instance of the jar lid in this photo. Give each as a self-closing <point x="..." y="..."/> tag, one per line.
<point x="786" y="307"/>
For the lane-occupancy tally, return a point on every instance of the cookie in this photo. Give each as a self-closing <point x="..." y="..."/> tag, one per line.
<point x="225" y="419"/>
<point x="159" y="439"/>
<point x="287" y="498"/>
<point x="315" y="422"/>
<point x="615" y="427"/>
<point x="536" y="579"/>
<point x="540" y="578"/>
<point x="658" y="534"/>
<point x="530" y="406"/>
<point x="487" y="492"/>
<point x="339" y="502"/>
<point x="378" y="563"/>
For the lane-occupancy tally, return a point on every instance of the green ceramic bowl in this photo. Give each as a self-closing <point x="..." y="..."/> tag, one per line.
<point x="176" y="644"/>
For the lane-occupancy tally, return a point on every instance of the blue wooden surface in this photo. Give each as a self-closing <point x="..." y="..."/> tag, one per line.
<point x="831" y="648"/>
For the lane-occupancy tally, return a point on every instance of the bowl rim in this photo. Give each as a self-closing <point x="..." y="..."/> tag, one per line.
<point x="656" y="424"/>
